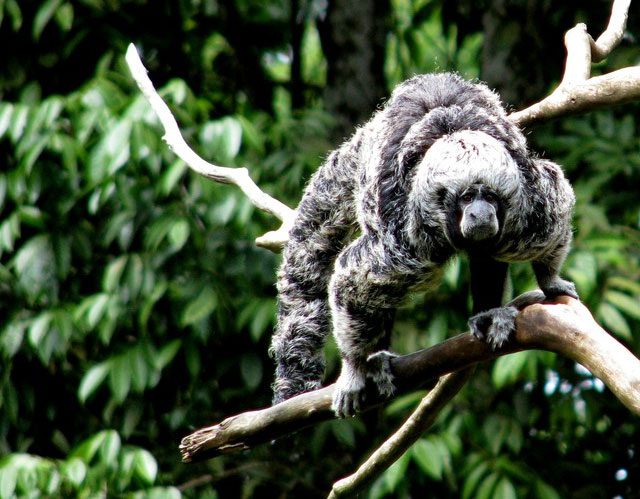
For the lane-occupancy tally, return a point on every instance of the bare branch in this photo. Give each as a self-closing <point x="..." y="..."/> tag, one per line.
<point x="611" y="36"/>
<point x="617" y="87"/>
<point x="410" y="431"/>
<point x="578" y="92"/>
<point x="225" y="175"/>
<point x="565" y="327"/>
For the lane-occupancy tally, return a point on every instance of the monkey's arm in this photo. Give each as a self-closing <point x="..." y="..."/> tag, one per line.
<point x="546" y="270"/>
<point x="491" y="321"/>
<point x="364" y="292"/>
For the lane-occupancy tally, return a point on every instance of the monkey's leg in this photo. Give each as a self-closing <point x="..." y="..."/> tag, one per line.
<point x="324" y="223"/>
<point x="491" y="321"/>
<point x="363" y="293"/>
<point x="547" y="269"/>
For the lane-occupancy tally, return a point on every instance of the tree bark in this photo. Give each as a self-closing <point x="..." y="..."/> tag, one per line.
<point x="353" y="37"/>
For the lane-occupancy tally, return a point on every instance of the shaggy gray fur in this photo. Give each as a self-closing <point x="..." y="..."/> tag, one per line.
<point x="378" y="220"/>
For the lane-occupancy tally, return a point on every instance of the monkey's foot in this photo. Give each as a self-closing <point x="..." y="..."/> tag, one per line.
<point x="494" y="326"/>
<point x="350" y="392"/>
<point x="353" y="385"/>
<point x="379" y="371"/>
<point x="559" y="287"/>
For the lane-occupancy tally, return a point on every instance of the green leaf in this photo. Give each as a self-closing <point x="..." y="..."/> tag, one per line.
<point x="120" y="378"/>
<point x="39" y="328"/>
<point x="32" y="216"/>
<point x="8" y="479"/>
<point x="344" y="433"/>
<point x="507" y="368"/>
<point x="110" y="448"/>
<point x="145" y="312"/>
<point x="251" y="370"/>
<point x="495" y="429"/>
<point x="171" y="177"/>
<point x="111" y="153"/>
<point x="505" y="489"/>
<point x="88" y="448"/>
<point x="6" y="111"/>
<point x="12" y="336"/>
<point x="583" y="270"/>
<point x="614" y="320"/>
<point x="473" y="479"/>
<point x="113" y="273"/>
<point x="43" y="16"/>
<point x="199" y="308"/>
<point x="145" y="466"/>
<point x="487" y="487"/>
<point x="162" y="493"/>
<point x="167" y="353"/>
<point x="91" y="310"/>
<point x="134" y="276"/>
<point x="396" y="472"/>
<point x="9" y="232"/>
<point x="18" y="121"/>
<point x="140" y="369"/>
<point x="262" y="320"/>
<point x="179" y="234"/>
<point x="222" y="138"/>
<point x="92" y="380"/>
<point x="74" y="470"/>
<point x="545" y="491"/>
<point x="35" y="266"/>
<point x="628" y="304"/>
<point x="64" y="16"/>
<point x="515" y="438"/>
<point x="428" y="457"/>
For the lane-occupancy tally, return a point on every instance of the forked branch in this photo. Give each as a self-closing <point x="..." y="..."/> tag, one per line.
<point x="565" y="327"/>
<point x="578" y="91"/>
<point x="225" y="175"/>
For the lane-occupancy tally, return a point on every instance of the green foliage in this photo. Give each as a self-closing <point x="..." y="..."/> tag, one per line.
<point x="421" y="44"/>
<point x="600" y="151"/>
<point x="135" y="305"/>
<point x="99" y="463"/>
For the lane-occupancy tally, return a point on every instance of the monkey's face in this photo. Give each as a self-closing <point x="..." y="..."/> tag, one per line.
<point x="478" y="214"/>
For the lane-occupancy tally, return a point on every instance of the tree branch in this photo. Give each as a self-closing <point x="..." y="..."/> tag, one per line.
<point x="411" y="430"/>
<point x="225" y="175"/>
<point x="565" y="327"/>
<point x="578" y="92"/>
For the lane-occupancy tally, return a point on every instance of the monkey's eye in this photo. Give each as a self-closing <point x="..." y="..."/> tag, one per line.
<point x="491" y="198"/>
<point x="466" y="198"/>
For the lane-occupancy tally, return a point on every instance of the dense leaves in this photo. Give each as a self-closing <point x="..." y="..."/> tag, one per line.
<point x="134" y="305"/>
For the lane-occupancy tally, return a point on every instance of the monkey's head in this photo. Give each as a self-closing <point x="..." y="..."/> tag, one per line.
<point x="469" y="187"/>
<point x="478" y="214"/>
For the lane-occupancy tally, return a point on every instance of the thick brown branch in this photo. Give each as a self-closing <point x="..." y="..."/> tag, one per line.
<point x="565" y="327"/>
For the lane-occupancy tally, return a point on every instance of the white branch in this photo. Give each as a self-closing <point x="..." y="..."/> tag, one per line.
<point x="577" y="91"/>
<point x="611" y="36"/>
<point x="225" y="175"/>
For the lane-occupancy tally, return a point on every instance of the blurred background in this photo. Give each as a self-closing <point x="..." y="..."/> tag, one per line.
<point x="135" y="307"/>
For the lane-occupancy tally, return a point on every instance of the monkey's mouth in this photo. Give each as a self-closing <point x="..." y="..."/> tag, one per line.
<point x="479" y="231"/>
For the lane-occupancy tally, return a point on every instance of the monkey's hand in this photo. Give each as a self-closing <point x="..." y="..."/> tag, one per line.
<point x="351" y="387"/>
<point x="494" y="325"/>
<point x="557" y="286"/>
